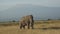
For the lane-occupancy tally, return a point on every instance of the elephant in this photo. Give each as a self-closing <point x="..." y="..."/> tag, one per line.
<point x="27" y="21"/>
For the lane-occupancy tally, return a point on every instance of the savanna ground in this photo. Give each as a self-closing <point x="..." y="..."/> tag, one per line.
<point x="40" y="27"/>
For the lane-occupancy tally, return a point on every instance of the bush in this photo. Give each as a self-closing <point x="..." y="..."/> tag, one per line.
<point x="13" y="21"/>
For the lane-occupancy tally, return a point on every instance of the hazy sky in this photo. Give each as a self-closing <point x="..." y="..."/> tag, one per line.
<point x="12" y="4"/>
<point x="5" y="4"/>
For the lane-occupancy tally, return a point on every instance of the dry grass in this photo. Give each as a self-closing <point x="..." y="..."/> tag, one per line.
<point x="39" y="28"/>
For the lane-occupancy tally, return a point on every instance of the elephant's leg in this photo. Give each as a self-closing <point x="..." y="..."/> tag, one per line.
<point x="32" y="25"/>
<point x="21" y="26"/>
<point x="28" y="25"/>
<point x="24" y="26"/>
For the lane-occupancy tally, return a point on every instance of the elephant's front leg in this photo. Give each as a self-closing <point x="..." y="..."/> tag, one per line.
<point x="28" y="25"/>
<point x="21" y="26"/>
<point x="32" y="25"/>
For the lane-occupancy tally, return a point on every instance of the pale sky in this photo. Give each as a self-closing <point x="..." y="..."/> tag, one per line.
<point x="7" y="8"/>
<point x="5" y="4"/>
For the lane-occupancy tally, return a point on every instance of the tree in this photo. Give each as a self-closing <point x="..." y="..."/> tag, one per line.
<point x="49" y="19"/>
<point x="13" y="21"/>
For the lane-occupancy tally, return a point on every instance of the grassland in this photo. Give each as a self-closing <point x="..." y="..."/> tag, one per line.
<point x="40" y="27"/>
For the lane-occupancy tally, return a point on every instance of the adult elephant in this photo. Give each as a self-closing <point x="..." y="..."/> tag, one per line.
<point x="27" y="20"/>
